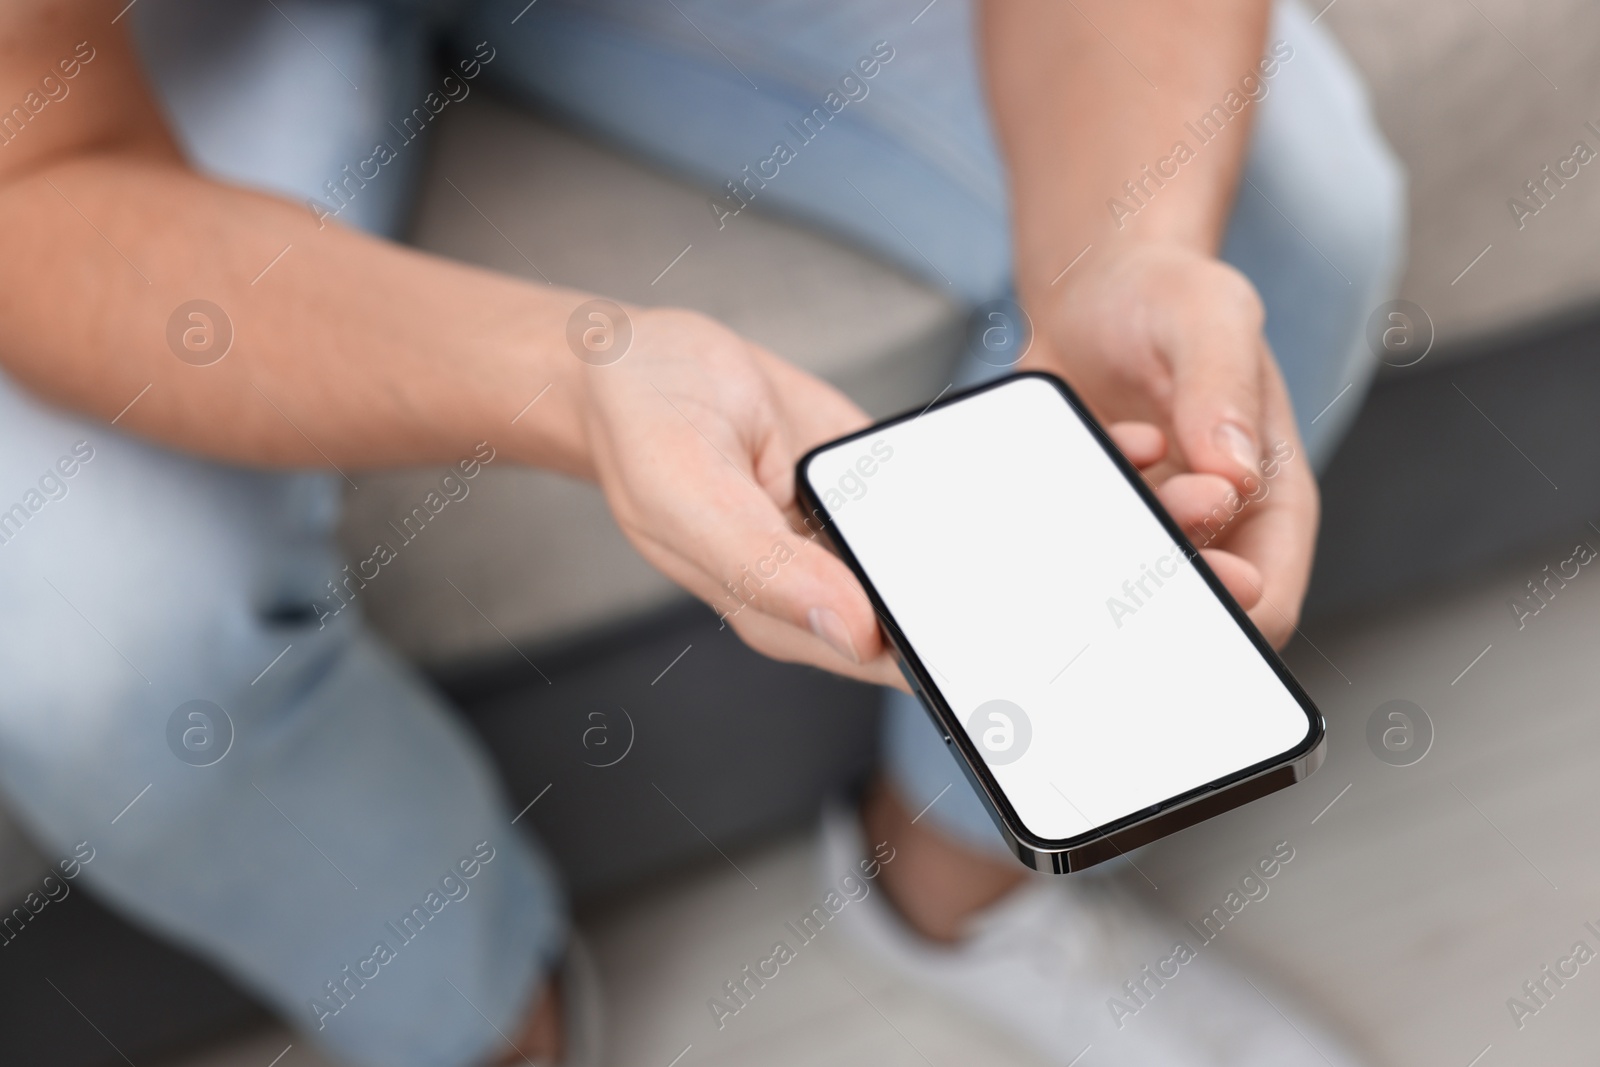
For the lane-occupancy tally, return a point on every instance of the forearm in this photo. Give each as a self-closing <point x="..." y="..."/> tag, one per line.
<point x="1078" y="117"/>
<point x="349" y="350"/>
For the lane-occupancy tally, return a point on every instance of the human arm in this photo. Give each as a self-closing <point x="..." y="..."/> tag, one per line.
<point x="350" y="351"/>
<point x="357" y="353"/>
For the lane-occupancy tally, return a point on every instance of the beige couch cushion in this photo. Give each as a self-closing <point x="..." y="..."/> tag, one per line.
<point x="1460" y="88"/>
<point x="538" y="553"/>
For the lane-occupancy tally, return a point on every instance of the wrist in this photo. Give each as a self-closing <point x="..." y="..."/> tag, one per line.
<point x="1045" y="279"/>
<point x="535" y="389"/>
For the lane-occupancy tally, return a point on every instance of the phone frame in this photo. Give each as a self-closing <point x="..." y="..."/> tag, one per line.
<point x="1112" y="839"/>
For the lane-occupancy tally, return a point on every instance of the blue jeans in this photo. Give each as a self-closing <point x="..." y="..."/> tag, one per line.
<point x="351" y="806"/>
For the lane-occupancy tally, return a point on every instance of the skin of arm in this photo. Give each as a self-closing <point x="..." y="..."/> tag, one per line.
<point x="1148" y="324"/>
<point x="1078" y="118"/>
<point x="380" y="355"/>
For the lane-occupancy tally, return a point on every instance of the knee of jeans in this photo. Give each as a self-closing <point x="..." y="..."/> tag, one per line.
<point x="103" y="682"/>
<point x="1349" y="210"/>
<point x="155" y="583"/>
<point x="1328" y="166"/>
<point x="1367" y="219"/>
<point x="87" y="736"/>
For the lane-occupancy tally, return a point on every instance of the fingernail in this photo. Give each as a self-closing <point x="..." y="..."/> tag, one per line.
<point x="828" y="626"/>
<point x="1236" y="442"/>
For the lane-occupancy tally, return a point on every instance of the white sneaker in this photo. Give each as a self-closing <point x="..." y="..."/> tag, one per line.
<point x="1050" y="961"/>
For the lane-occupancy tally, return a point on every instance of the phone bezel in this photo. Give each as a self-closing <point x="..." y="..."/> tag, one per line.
<point x="1137" y="828"/>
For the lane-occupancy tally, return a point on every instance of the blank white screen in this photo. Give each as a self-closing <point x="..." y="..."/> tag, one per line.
<point x="997" y="531"/>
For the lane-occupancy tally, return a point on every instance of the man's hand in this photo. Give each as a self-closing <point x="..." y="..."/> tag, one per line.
<point x="1172" y="337"/>
<point x="1150" y="324"/>
<point x="694" y="437"/>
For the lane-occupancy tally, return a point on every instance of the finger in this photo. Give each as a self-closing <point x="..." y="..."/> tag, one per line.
<point x="770" y="636"/>
<point x="1141" y="442"/>
<point x="1278" y="539"/>
<point x="1239" y="575"/>
<point x="1204" y="505"/>
<point x="783" y="582"/>
<point x="1212" y="341"/>
<point x="1278" y="532"/>
<point x="777" y="639"/>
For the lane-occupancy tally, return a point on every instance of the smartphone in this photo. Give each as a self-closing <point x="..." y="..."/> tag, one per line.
<point x="1098" y="684"/>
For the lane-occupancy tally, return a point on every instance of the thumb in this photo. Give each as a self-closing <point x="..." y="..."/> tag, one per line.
<point x="1216" y="359"/>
